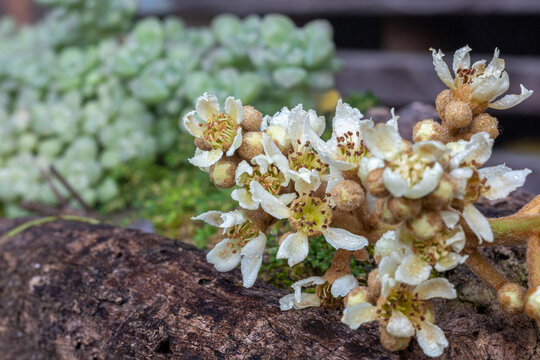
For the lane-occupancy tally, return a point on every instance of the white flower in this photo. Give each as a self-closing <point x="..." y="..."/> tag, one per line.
<point x="430" y="337"/>
<point x="300" y="300"/>
<point x="309" y="216"/>
<point x="242" y="243"/>
<point x="493" y="183"/>
<point x="486" y="82"/>
<point x="411" y="171"/>
<point x="219" y="130"/>
<point x="345" y="149"/>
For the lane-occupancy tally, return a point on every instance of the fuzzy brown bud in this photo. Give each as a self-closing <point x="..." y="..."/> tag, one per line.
<point x="487" y="123"/>
<point x="360" y="294"/>
<point x="403" y="208"/>
<point x="442" y="195"/>
<point x="203" y="145"/>
<point x="429" y="130"/>
<point x="390" y="342"/>
<point x="532" y="303"/>
<point x="457" y="115"/>
<point x="383" y="212"/>
<point x="222" y="173"/>
<point x="348" y="195"/>
<point x="373" y="282"/>
<point x="442" y="100"/>
<point x="510" y="297"/>
<point x="252" y="119"/>
<point x="251" y="145"/>
<point x="374" y="183"/>
<point x="427" y="225"/>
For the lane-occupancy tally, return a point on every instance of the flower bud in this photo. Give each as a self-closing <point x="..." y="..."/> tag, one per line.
<point x="429" y="130"/>
<point x="281" y="138"/>
<point x="457" y="115"/>
<point x="203" y="145"/>
<point x="442" y="100"/>
<point x="360" y="294"/>
<point x="403" y="208"/>
<point x="348" y="195"/>
<point x="390" y="342"/>
<point x="427" y="225"/>
<point x="510" y="296"/>
<point x="532" y="303"/>
<point x="252" y="119"/>
<point x="442" y="195"/>
<point x="374" y="183"/>
<point x="485" y="122"/>
<point x="251" y="145"/>
<point x="478" y="107"/>
<point x="222" y="173"/>
<point x="383" y="212"/>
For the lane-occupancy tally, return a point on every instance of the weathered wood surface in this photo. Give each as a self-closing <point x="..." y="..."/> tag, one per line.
<point x="77" y="291"/>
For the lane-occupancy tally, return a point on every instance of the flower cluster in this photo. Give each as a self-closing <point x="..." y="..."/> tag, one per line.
<point x="414" y="201"/>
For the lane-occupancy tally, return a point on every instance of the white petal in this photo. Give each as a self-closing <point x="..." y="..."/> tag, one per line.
<point x="429" y="182"/>
<point x="294" y="247"/>
<point x="212" y="217"/>
<point x="335" y="178"/>
<point x="207" y="105"/>
<point x="287" y="198"/>
<point x="346" y="119"/>
<point x="281" y="118"/>
<point x="399" y="325"/>
<point x="478" y="149"/>
<point x="496" y="65"/>
<point x="430" y="150"/>
<point x="236" y="142"/>
<point x="509" y="101"/>
<point x="487" y="89"/>
<point x="458" y="240"/>
<point x="310" y="281"/>
<point x="305" y="180"/>
<point x="386" y="271"/>
<point x="450" y="218"/>
<point x="297" y="119"/>
<point x="252" y="259"/>
<point x="316" y="122"/>
<point x="343" y="285"/>
<point x="393" y="121"/>
<point x="269" y="202"/>
<point x="462" y="59"/>
<point x="478" y="223"/>
<point x="383" y="141"/>
<point x="502" y="180"/>
<point x="438" y="287"/>
<point x="288" y="301"/>
<point x="461" y="177"/>
<point x="192" y="124"/>
<point x="204" y="159"/>
<point x="222" y="257"/>
<point x="393" y="181"/>
<point x="431" y="339"/>
<point x="343" y="239"/>
<point x="221" y="219"/>
<point x="413" y="270"/>
<point x="271" y="149"/>
<point x="387" y="244"/>
<point x="241" y="169"/>
<point x="233" y="107"/>
<point x="442" y="69"/>
<point x="449" y="262"/>
<point x="359" y="314"/>
<point x="244" y="199"/>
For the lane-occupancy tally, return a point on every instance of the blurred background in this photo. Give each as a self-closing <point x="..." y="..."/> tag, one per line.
<point x="129" y="68"/>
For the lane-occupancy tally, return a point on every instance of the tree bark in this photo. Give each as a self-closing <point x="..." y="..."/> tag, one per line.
<point x="71" y="290"/>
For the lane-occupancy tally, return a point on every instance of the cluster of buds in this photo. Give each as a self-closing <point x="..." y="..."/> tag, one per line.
<point x="366" y="185"/>
<point x="470" y="93"/>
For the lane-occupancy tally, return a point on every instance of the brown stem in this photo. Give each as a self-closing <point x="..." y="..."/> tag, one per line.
<point x="341" y="265"/>
<point x="533" y="261"/>
<point x="71" y="190"/>
<point x="484" y="270"/>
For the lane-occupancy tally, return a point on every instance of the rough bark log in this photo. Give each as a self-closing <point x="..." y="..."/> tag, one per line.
<point x="71" y="290"/>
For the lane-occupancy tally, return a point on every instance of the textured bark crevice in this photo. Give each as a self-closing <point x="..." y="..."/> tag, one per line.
<point x="71" y="290"/>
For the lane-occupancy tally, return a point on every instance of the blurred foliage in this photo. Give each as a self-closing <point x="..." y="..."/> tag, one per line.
<point x="79" y="92"/>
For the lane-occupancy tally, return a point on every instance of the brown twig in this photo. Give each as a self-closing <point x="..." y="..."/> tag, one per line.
<point x="71" y="190"/>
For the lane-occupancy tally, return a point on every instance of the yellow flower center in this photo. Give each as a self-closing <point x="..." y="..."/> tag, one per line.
<point x="219" y="131"/>
<point x="476" y="185"/>
<point x="310" y="214"/>
<point x="240" y="235"/>
<point x="404" y="300"/>
<point x="304" y="157"/>
<point x="350" y="148"/>
<point x="271" y="180"/>
<point x="411" y="167"/>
